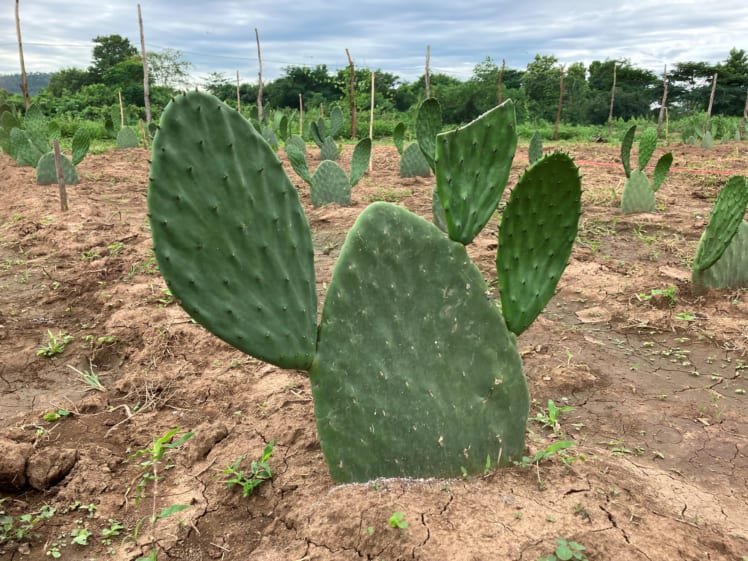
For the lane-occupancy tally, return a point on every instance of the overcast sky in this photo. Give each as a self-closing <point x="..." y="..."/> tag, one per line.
<point x="387" y="34"/>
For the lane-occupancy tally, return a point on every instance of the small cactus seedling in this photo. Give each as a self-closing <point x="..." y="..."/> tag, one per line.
<point x="721" y="259"/>
<point x="413" y="370"/>
<point x="638" y="193"/>
<point x="330" y="184"/>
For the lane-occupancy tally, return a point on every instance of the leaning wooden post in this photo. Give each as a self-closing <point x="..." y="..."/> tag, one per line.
<point x="663" y="104"/>
<point x="260" y="114"/>
<point x="301" y="116"/>
<point x="352" y="91"/>
<point x="612" y="100"/>
<point x="745" y="116"/>
<point x="121" y="110"/>
<point x="24" y="82"/>
<point x="238" y="97"/>
<point x="146" y="82"/>
<point x="145" y="134"/>
<point x="427" y="73"/>
<point x="501" y="80"/>
<point x="371" y="120"/>
<point x="560" y="104"/>
<point x="60" y="176"/>
<point x="711" y="103"/>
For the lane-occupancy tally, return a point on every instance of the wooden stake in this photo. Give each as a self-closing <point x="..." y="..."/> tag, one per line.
<point x="560" y="104"/>
<point x="60" y="176"/>
<point x="301" y="116"/>
<point x="612" y="99"/>
<point x="501" y="80"/>
<point x="146" y="82"/>
<point x="663" y="104"/>
<point x="354" y="115"/>
<point x="427" y="73"/>
<point x="121" y="110"/>
<point x="745" y="116"/>
<point x="24" y="81"/>
<point x="371" y="120"/>
<point x="145" y="134"/>
<point x="238" y="97"/>
<point x="711" y="102"/>
<point x="260" y="113"/>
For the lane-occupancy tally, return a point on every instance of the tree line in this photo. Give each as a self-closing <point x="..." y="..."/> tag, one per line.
<point x="116" y="67"/>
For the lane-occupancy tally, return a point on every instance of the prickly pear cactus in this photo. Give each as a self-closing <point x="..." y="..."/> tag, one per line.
<point x="535" y="151"/>
<point x="298" y="141"/>
<point x="413" y="370"/>
<point x="81" y="143"/>
<point x="269" y="135"/>
<point x="421" y="380"/>
<point x="647" y="145"/>
<point x="661" y="170"/>
<point x="723" y="225"/>
<point x="23" y="149"/>
<point x="707" y="141"/>
<point x="537" y="232"/>
<point x="428" y="125"/>
<point x="413" y="163"/>
<point x="336" y="121"/>
<point x="229" y="232"/>
<point x="731" y="269"/>
<point x="329" y="149"/>
<point x="330" y="185"/>
<point x="626" y="144"/>
<point x="469" y="184"/>
<point x="398" y="137"/>
<point x="638" y="195"/>
<point x="127" y="138"/>
<point x="360" y="160"/>
<point x="46" y="172"/>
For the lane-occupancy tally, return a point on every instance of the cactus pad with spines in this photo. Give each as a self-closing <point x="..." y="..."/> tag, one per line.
<point x="23" y="149"/>
<point x="724" y="221"/>
<point x="360" y="160"/>
<point x="269" y="135"/>
<point x="416" y="374"/>
<point x="329" y="149"/>
<point x="298" y="162"/>
<point x="647" y="145"/>
<point x="46" y="172"/>
<point x="330" y="184"/>
<point x="229" y="233"/>
<point x="662" y="167"/>
<point x="731" y="269"/>
<point x="81" y="143"/>
<point x="535" y="151"/>
<point x="472" y="165"/>
<point x="413" y="163"/>
<point x="127" y="138"/>
<point x="428" y="125"/>
<point x="298" y="141"/>
<point x="626" y="144"/>
<point x="638" y="195"/>
<point x="537" y="232"/>
<point x="398" y="137"/>
<point x="336" y="122"/>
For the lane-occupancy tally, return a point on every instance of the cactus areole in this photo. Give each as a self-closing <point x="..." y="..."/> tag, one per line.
<point x="413" y="370"/>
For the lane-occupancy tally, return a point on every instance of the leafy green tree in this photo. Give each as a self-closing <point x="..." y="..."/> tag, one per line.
<point x="541" y="82"/>
<point x="126" y="75"/>
<point x="729" y="99"/>
<point x="68" y="81"/>
<point x="637" y="90"/>
<point x="315" y="84"/>
<point x="169" y="69"/>
<point x="108" y="51"/>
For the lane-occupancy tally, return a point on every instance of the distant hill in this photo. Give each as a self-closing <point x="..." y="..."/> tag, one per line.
<point x="12" y="82"/>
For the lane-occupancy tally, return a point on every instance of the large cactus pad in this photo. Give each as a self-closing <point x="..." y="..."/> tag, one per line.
<point x="472" y="165"/>
<point x="638" y="195"/>
<point x="229" y="232"/>
<point x="536" y="236"/>
<point x="330" y="185"/>
<point x="416" y="374"/>
<point x="731" y="269"/>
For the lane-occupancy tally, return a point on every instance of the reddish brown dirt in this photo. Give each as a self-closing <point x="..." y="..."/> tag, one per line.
<point x="658" y="391"/>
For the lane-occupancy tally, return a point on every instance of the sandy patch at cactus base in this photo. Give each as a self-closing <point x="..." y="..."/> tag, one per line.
<point x="659" y="466"/>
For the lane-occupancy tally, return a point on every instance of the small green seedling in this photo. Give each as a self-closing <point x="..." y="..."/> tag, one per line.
<point x="259" y="472"/>
<point x="89" y="377"/>
<point x="397" y="520"/>
<point x="549" y="418"/>
<point x="668" y="293"/>
<point x="55" y="344"/>
<point x="53" y="416"/>
<point x="154" y="456"/>
<point x="80" y="536"/>
<point x="548" y="452"/>
<point x="566" y="550"/>
<point x="112" y="531"/>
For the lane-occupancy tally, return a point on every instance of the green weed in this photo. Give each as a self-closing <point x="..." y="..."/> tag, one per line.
<point x="55" y="344"/>
<point x="259" y="472"/>
<point x="566" y="550"/>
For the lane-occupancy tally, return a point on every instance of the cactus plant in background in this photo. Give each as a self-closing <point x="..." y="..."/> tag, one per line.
<point x="413" y="370"/>
<point x="127" y="138"/>
<point x="638" y="193"/>
<point x="46" y="172"/>
<point x="412" y="161"/>
<point x="81" y="144"/>
<point x="330" y="184"/>
<point x="721" y="259"/>
<point x="324" y="139"/>
<point x="297" y="141"/>
<point x="535" y="151"/>
<point x="398" y="137"/>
